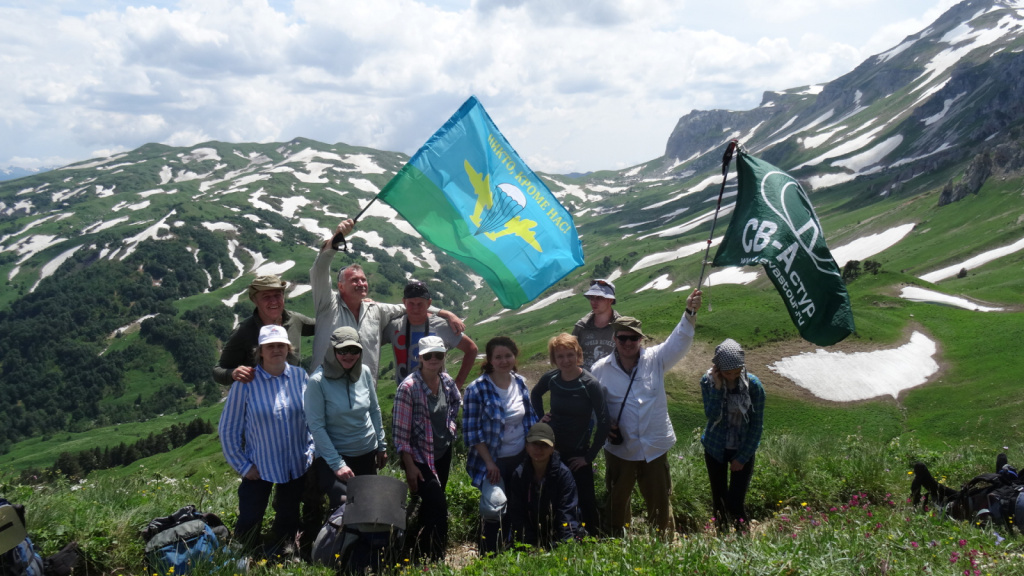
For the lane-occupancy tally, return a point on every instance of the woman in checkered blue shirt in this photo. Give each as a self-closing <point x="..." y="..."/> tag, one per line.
<point x="496" y="419"/>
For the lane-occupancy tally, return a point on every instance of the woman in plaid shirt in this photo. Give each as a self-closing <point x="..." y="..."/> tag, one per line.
<point x="734" y="406"/>
<point x="426" y="405"/>
<point x="497" y="419"/>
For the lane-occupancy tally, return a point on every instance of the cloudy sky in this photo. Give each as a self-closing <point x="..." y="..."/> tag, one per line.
<point x="575" y="85"/>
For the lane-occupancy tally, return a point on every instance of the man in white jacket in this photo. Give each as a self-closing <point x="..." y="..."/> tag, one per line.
<point x="634" y="377"/>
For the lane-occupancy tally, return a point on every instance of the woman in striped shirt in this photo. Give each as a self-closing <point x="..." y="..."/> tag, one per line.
<point x="265" y="439"/>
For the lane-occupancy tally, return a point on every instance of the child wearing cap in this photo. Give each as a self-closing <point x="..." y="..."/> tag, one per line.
<point x="542" y="494"/>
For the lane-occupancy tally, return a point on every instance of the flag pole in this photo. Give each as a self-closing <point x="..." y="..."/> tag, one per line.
<point x="338" y="241"/>
<point x="726" y="160"/>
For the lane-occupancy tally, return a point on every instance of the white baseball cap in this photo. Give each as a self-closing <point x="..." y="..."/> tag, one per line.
<point x="272" y="333"/>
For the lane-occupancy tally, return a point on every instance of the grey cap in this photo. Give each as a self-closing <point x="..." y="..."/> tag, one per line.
<point x="344" y="337"/>
<point x="729" y="355"/>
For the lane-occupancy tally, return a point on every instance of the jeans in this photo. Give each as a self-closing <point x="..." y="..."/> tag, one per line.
<point x="432" y="540"/>
<point x="253" y="497"/>
<point x="729" y="490"/>
<point x="495" y="534"/>
<point x="584" y="478"/>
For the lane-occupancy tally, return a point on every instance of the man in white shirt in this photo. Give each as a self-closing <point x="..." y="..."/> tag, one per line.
<point x="348" y="306"/>
<point x="634" y="378"/>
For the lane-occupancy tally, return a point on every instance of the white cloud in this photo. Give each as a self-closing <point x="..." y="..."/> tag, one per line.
<point x="110" y="75"/>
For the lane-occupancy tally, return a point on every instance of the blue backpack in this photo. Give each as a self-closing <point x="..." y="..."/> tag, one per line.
<point x="184" y="540"/>
<point x="18" y="557"/>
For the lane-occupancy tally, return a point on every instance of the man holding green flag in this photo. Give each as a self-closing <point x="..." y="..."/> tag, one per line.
<point x="775" y="225"/>
<point x="468" y="192"/>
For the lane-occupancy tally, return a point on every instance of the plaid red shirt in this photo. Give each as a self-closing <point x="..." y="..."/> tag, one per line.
<point x="412" y="431"/>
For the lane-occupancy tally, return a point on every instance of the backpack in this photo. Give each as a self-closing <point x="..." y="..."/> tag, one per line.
<point x="989" y="497"/>
<point x="183" y="540"/>
<point x="368" y="530"/>
<point x="18" y="557"/>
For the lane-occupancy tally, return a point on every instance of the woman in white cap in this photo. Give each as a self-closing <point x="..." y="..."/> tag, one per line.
<point x="265" y="439"/>
<point x="734" y="406"/>
<point x="344" y="417"/>
<point x="426" y="405"/>
<point x="494" y="426"/>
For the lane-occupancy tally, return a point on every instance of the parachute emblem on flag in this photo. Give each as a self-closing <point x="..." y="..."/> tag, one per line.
<point x="497" y="208"/>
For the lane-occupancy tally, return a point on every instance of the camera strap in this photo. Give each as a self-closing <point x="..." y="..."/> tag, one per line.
<point x="631" y="378"/>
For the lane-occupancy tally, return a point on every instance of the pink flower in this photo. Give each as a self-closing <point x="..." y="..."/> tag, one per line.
<point x="962" y="542"/>
<point x="913" y="545"/>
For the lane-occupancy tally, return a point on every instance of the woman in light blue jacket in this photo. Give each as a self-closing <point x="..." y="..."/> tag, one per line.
<point x="344" y="417"/>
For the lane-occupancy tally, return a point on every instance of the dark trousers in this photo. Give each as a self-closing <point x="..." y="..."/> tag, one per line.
<point x="432" y="540"/>
<point x="496" y="534"/>
<point x="365" y="465"/>
<point x="253" y="497"/>
<point x="729" y="490"/>
<point x="584" y="478"/>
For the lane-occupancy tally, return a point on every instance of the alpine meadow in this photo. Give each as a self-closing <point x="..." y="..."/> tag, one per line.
<point x="125" y="275"/>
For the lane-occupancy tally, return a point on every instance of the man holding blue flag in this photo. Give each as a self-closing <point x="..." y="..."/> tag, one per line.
<point x="469" y="193"/>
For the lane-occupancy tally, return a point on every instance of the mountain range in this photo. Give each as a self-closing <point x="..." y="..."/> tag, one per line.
<point x="115" y="265"/>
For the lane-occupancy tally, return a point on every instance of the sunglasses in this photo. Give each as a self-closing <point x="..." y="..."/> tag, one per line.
<point x="434" y="356"/>
<point x="631" y="338"/>
<point x="350" y="350"/>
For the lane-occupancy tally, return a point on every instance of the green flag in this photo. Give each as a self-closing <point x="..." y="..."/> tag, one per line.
<point x="774" y="225"/>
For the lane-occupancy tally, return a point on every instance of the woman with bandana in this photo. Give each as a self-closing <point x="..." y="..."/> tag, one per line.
<point x="734" y="406"/>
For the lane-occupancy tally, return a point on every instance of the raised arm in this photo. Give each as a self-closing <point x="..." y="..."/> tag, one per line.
<point x="320" y="273"/>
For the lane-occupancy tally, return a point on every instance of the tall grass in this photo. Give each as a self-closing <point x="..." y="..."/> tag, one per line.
<point x="819" y="506"/>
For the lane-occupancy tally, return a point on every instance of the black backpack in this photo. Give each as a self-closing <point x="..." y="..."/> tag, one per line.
<point x="989" y="497"/>
<point x="368" y="530"/>
<point x="183" y="540"/>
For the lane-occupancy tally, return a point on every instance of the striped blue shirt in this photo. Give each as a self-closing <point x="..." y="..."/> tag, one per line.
<point x="263" y="425"/>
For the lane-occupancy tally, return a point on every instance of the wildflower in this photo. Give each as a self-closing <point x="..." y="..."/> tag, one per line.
<point x="962" y="542"/>
<point x="803" y="504"/>
<point x="913" y="545"/>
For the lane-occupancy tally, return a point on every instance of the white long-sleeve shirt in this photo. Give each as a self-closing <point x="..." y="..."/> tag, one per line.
<point x="645" y="424"/>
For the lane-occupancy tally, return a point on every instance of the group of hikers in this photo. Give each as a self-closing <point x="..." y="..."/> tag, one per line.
<point x="534" y="466"/>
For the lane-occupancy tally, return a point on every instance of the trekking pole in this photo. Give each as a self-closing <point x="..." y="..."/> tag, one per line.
<point x="726" y="160"/>
<point x="338" y="242"/>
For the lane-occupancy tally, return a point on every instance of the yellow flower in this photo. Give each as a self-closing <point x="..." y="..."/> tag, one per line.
<point x="803" y="503"/>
